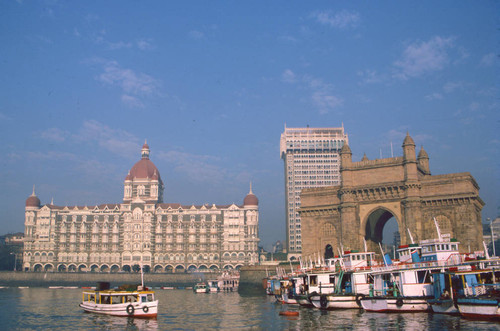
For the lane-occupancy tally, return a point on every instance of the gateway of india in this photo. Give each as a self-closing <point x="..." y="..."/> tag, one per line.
<point x="163" y="237"/>
<point x="374" y="191"/>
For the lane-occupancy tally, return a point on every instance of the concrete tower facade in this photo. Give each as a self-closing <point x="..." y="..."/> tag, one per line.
<point x="312" y="159"/>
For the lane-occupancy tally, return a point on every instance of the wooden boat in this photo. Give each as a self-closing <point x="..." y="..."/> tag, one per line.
<point x="127" y="301"/>
<point x="289" y="313"/>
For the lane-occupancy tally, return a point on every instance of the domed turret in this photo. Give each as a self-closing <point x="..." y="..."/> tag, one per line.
<point x="251" y="199"/>
<point x="422" y="154"/>
<point x="144" y="168"/>
<point x="408" y="140"/>
<point x="423" y="161"/>
<point x="345" y="149"/>
<point x="33" y="200"/>
<point x="143" y="182"/>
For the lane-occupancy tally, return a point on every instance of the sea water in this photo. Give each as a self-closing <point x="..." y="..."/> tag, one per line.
<point x="57" y="309"/>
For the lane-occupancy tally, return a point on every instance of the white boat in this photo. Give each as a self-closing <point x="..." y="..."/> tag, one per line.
<point x="318" y="285"/>
<point x="130" y="301"/>
<point x="481" y="295"/>
<point x="351" y="284"/>
<point x="406" y="286"/>
<point x="213" y="286"/>
<point x="200" y="288"/>
<point x="480" y="307"/>
<point x="228" y="281"/>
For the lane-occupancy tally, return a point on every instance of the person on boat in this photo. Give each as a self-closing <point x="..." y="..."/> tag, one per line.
<point x="445" y="295"/>
<point x="301" y="289"/>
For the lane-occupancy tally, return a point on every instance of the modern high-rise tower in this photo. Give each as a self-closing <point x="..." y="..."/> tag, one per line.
<point x="312" y="159"/>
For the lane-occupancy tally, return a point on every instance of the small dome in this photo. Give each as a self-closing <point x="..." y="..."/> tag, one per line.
<point x="33" y="200"/>
<point x="422" y="154"/>
<point x="408" y="140"/>
<point x="251" y="199"/>
<point x="345" y="149"/>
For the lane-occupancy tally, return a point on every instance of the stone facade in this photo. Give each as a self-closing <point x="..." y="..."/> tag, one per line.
<point x="163" y="237"/>
<point x="373" y="191"/>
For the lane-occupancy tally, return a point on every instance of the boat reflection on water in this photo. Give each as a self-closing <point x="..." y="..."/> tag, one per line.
<point x="121" y="323"/>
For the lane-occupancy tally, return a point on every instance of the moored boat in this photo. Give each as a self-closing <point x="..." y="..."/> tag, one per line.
<point x="480" y="307"/>
<point x="127" y="301"/>
<point x="213" y="286"/>
<point x="351" y="284"/>
<point x="200" y="288"/>
<point x="481" y="295"/>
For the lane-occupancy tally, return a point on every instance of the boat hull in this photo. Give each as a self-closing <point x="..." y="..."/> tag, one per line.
<point x="401" y="304"/>
<point x="329" y="301"/>
<point x="443" y="306"/>
<point x="285" y="299"/>
<point x="486" y="309"/>
<point x="134" y="309"/>
<point x="303" y="300"/>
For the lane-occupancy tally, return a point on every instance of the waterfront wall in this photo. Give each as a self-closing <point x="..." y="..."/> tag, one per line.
<point x="251" y="277"/>
<point x="35" y="279"/>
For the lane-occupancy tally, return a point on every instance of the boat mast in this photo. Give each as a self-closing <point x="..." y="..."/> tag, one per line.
<point x="411" y="237"/>
<point x="437" y="228"/>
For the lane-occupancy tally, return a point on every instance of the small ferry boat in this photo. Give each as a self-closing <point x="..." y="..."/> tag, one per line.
<point x="317" y="284"/>
<point x="351" y="284"/>
<point x="406" y="286"/>
<point x="128" y="300"/>
<point x="229" y="281"/>
<point x="200" y="288"/>
<point x="213" y="286"/>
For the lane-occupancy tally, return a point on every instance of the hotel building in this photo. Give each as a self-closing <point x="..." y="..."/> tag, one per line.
<point x="311" y="159"/>
<point x="163" y="237"/>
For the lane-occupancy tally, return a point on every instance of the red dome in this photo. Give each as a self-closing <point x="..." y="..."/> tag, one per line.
<point x="251" y="200"/>
<point x="33" y="201"/>
<point x="143" y="169"/>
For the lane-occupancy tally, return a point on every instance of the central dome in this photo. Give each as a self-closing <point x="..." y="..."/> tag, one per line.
<point x="144" y="168"/>
<point x="251" y="199"/>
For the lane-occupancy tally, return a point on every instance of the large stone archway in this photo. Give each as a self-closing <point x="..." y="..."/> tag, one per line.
<point x="373" y="225"/>
<point x="402" y="187"/>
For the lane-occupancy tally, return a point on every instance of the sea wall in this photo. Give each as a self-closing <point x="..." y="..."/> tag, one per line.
<point x="40" y="279"/>
<point x="252" y="277"/>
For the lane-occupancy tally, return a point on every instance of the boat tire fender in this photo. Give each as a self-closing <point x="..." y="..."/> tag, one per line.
<point x="323" y="300"/>
<point x="359" y="297"/>
<point x="130" y="310"/>
<point x="399" y="302"/>
<point x="145" y="309"/>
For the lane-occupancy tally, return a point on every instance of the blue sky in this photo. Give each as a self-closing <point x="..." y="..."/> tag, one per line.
<point x="211" y="85"/>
